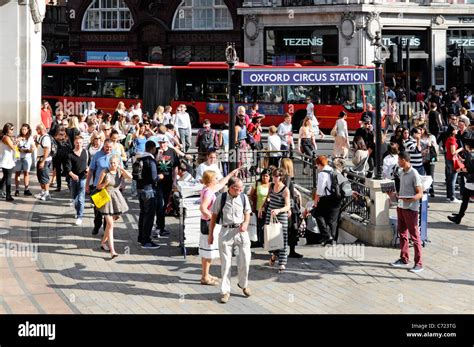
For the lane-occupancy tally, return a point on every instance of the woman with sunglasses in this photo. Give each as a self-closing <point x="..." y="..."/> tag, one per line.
<point x="7" y="152"/>
<point x="26" y="146"/>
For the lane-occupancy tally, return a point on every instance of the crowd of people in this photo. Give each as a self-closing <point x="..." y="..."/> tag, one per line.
<point x="94" y="149"/>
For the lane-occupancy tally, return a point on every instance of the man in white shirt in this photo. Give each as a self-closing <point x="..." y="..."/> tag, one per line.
<point x="43" y="165"/>
<point x="274" y="144"/>
<point x="91" y="109"/>
<point x="183" y="124"/>
<point x="209" y="165"/>
<point x="285" y="131"/>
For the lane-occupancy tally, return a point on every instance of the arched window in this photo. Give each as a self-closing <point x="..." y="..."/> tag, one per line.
<point x="202" y="15"/>
<point x="104" y="15"/>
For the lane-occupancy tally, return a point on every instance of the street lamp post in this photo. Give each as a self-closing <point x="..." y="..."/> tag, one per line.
<point x="379" y="60"/>
<point x="232" y="60"/>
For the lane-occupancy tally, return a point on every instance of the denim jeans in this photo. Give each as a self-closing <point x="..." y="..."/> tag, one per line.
<point x="451" y="176"/>
<point x="185" y="137"/>
<point x="147" y="200"/>
<point x="78" y="193"/>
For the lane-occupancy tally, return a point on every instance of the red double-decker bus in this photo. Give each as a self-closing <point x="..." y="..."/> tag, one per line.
<point x="202" y="87"/>
<point x="73" y="85"/>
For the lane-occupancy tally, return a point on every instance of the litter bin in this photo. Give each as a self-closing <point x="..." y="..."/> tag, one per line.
<point x="423" y="219"/>
<point x="422" y="223"/>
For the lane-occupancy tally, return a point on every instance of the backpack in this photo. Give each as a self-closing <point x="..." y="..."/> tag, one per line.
<point x="223" y="200"/>
<point x="340" y="186"/>
<point x="206" y="140"/>
<point x="137" y="168"/>
<point x="54" y="145"/>
<point x="453" y="108"/>
<point x="469" y="163"/>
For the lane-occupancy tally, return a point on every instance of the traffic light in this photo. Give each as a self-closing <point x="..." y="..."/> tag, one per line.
<point x="397" y="52"/>
<point x="394" y="53"/>
<point x="453" y="50"/>
<point x="467" y="63"/>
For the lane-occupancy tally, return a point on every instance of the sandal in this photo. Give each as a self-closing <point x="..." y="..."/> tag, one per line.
<point x="272" y="260"/>
<point x="209" y="282"/>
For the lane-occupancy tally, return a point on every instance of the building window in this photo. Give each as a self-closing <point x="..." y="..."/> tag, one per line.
<point x="107" y="15"/>
<point x="202" y="15"/>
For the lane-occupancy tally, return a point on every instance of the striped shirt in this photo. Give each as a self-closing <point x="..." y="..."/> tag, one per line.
<point x="416" y="159"/>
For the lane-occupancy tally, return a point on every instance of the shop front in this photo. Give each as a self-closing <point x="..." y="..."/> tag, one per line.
<point x="307" y="46"/>
<point x="420" y="61"/>
<point x="464" y="38"/>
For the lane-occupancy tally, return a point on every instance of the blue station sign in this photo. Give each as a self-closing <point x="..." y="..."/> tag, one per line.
<point x="107" y="56"/>
<point x="307" y="76"/>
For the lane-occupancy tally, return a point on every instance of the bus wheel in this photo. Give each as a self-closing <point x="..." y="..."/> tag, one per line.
<point x="297" y="120"/>
<point x="193" y="115"/>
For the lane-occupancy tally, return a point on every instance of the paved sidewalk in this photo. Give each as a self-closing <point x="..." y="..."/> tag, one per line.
<point x="72" y="275"/>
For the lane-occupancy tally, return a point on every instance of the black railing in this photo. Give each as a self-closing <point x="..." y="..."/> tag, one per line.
<point x="359" y="204"/>
<point x="305" y="175"/>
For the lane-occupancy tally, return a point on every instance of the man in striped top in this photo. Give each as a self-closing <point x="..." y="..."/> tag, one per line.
<point x="413" y="147"/>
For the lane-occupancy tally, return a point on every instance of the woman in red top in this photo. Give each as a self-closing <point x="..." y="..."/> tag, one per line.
<point x="451" y="146"/>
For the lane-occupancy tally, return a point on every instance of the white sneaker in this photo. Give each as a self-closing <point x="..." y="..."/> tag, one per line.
<point x="45" y="197"/>
<point x="39" y="195"/>
<point x="79" y="221"/>
<point x="456" y="201"/>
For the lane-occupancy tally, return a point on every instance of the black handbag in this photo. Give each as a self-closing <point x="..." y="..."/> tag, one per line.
<point x="204" y="227"/>
<point x="433" y="155"/>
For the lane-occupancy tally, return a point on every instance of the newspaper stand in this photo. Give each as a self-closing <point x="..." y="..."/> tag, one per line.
<point x="189" y="216"/>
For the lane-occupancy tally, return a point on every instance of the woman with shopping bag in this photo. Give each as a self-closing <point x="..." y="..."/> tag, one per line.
<point x="277" y="207"/>
<point x="111" y="179"/>
<point x="209" y="251"/>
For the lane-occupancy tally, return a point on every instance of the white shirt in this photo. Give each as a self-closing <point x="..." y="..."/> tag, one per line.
<point x="43" y="142"/>
<point x="7" y="156"/>
<point x="389" y="163"/>
<point x="167" y="119"/>
<point x="203" y="167"/>
<point x="283" y="130"/>
<point x="88" y="112"/>
<point x="25" y="144"/>
<point x="324" y="181"/>
<point x="310" y="110"/>
<point x="274" y="144"/>
<point x="182" y="121"/>
<point x="341" y="128"/>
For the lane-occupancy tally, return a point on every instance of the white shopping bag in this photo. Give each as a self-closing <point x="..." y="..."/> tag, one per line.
<point x="252" y="228"/>
<point x="273" y="235"/>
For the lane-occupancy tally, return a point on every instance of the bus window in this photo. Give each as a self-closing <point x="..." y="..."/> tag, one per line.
<point x="272" y="94"/>
<point x="51" y="84"/>
<point x="114" y="88"/>
<point x="88" y="87"/>
<point x="369" y="91"/>
<point x="135" y="84"/>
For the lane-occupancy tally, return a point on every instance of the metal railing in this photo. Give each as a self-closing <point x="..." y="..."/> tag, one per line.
<point x="305" y="175"/>
<point x="360" y="202"/>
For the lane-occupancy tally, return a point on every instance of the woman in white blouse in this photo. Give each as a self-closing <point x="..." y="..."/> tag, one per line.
<point x="341" y="141"/>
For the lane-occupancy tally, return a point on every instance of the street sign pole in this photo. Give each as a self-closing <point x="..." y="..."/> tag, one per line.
<point x="379" y="60"/>
<point x="231" y="59"/>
